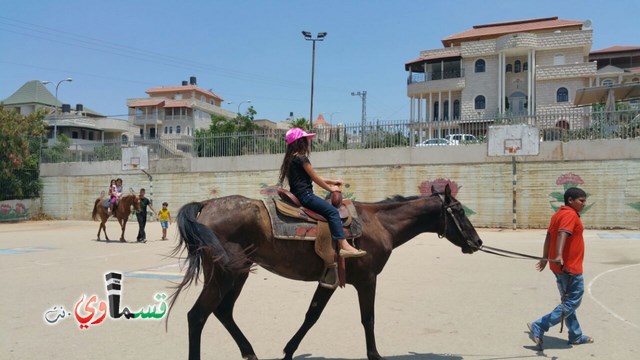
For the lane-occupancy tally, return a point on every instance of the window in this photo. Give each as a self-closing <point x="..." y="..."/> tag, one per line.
<point x="509" y="68"/>
<point x="558" y="59"/>
<point x="125" y="139"/>
<point x="635" y="79"/>
<point x="90" y="135"/>
<point x="74" y="134"/>
<point x="480" y="66"/>
<point x="141" y="132"/>
<point x="166" y="130"/>
<point x="479" y="102"/>
<point x="516" y="66"/>
<point x="456" y="109"/>
<point x="562" y="95"/>
<point x="525" y="66"/>
<point x="170" y="129"/>
<point x="178" y="129"/>
<point x="607" y="82"/>
<point x="446" y="110"/>
<point x="436" y="112"/>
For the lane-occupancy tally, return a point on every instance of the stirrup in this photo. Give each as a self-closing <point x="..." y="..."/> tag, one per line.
<point x="329" y="279"/>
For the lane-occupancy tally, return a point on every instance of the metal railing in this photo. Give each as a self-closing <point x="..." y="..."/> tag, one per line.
<point x="435" y="75"/>
<point x="577" y="124"/>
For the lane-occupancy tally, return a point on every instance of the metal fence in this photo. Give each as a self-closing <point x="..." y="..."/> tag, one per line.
<point x="20" y="184"/>
<point x="577" y="124"/>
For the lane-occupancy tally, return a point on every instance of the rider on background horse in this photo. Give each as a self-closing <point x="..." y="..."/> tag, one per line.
<point x="115" y="191"/>
<point x="298" y="170"/>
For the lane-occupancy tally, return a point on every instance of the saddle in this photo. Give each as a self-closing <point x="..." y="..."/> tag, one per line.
<point x="289" y="205"/>
<point x="291" y="221"/>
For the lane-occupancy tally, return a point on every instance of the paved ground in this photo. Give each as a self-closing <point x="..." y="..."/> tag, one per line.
<point x="434" y="303"/>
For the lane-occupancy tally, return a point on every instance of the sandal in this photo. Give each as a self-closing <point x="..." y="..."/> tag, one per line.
<point x="584" y="339"/>
<point x="535" y="338"/>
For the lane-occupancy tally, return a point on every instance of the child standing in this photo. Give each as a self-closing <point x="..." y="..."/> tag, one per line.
<point x="164" y="215"/>
<point x="564" y="246"/>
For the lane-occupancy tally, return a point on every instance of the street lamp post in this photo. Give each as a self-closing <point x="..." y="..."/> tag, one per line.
<point x="55" y="124"/>
<point x="308" y="37"/>
<point x="363" y="95"/>
<point x="241" y="102"/>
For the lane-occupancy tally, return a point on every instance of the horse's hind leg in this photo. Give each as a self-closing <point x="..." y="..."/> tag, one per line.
<point x="218" y="296"/>
<point x="224" y="313"/>
<point x="318" y="303"/>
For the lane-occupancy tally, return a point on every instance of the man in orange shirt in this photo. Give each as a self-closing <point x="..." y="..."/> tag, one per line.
<point x="564" y="247"/>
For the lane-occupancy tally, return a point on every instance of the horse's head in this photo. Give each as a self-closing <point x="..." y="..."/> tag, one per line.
<point x="456" y="226"/>
<point x="136" y="203"/>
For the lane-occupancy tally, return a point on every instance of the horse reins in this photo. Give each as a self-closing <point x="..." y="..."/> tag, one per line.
<point x="446" y="208"/>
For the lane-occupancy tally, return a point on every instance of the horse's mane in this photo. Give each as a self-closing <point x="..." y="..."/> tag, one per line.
<point x="398" y="199"/>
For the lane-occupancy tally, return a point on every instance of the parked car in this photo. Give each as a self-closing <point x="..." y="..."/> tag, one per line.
<point x="455" y="139"/>
<point x="434" y="142"/>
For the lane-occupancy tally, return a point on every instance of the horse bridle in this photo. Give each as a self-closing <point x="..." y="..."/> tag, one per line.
<point x="446" y="208"/>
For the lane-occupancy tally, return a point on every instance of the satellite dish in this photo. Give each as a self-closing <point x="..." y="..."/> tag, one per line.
<point x="586" y="25"/>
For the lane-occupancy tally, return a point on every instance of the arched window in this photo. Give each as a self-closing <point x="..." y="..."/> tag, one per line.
<point x="125" y="139"/>
<point x="525" y="66"/>
<point x="607" y="82"/>
<point x="166" y="130"/>
<point x="456" y="109"/>
<point x="436" y="111"/>
<point x="446" y="110"/>
<point x="480" y="66"/>
<point x="178" y="129"/>
<point x="509" y="68"/>
<point x="479" y="102"/>
<point x="170" y="129"/>
<point x="516" y="66"/>
<point x="635" y="79"/>
<point x="562" y="95"/>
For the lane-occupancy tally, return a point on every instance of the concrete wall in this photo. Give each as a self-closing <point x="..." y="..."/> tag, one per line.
<point x="608" y="170"/>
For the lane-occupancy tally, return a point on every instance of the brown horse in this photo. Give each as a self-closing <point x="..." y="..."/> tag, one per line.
<point x="225" y="236"/>
<point x="123" y="210"/>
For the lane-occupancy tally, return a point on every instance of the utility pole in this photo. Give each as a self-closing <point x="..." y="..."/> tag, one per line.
<point x="363" y="96"/>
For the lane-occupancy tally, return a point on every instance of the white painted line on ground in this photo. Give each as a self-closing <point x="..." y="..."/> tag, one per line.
<point x="604" y="306"/>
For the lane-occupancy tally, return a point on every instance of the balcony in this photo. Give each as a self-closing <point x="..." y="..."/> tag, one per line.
<point x="435" y="81"/>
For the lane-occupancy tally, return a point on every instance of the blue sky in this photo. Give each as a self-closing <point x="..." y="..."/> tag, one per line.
<point x="254" y="50"/>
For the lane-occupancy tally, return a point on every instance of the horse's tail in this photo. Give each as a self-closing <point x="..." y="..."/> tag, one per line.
<point x="202" y="244"/>
<point x="94" y="214"/>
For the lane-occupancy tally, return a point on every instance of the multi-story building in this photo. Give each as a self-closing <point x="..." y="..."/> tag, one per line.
<point x="174" y="112"/>
<point x="498" y="70"/>
<point x="86" y="128"/>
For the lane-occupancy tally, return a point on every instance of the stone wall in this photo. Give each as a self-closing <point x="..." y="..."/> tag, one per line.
<point x="608" y="170"/>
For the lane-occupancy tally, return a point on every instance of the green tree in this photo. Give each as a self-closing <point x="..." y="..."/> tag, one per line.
<point x="57" y="152"/>
<point x="301" y="123"/>
<point x="20" y="153"/>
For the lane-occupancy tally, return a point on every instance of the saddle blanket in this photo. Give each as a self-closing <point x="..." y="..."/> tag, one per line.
<point x="288" y="228"/>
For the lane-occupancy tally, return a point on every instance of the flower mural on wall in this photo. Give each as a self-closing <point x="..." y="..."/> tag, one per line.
<point x="13" y="210"/>
<point x="439" y="184"/>
<point x="268" y="190"/>
<point x="567" y="181"/>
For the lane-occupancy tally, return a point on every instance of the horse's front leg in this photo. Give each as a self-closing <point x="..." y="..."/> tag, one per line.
<point x="123" y="225"/>
<point x="318" y="303"/>
<point x="367" y="299"/>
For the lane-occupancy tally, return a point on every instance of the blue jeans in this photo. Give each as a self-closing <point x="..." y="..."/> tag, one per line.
<point x="573" y="285"/>
<point x="324" y="208"/>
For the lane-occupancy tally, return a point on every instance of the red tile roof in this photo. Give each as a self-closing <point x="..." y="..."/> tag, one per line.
<point x="320" y="121"/>
<point x="174" y="89"/>
<point x="176" y="103"/>
<point x="434" y="57"/>
<point x="616" y="48"/>
<point x="141" y="103"/>
<point x="494" y="30"/>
